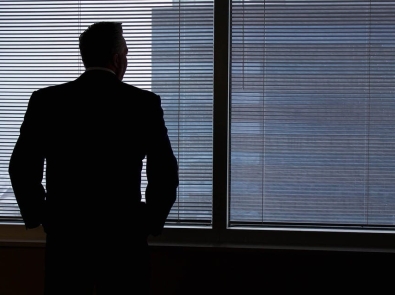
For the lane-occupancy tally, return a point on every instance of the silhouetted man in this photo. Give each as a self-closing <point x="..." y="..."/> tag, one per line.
<point x="93" y="133"/>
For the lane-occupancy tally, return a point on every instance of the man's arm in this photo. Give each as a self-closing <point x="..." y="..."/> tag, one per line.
<point x="26" y="166"/>
<point x="162" y="172"/>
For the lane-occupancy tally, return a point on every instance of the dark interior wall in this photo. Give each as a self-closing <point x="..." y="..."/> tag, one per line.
<point x="256" y="271"/>
<point x="193" y="270"/>
<point x="21" y="270"/>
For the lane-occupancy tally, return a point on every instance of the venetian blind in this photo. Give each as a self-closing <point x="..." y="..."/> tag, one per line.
<point x="312" y="131"/>
<point x="170" y="52"/>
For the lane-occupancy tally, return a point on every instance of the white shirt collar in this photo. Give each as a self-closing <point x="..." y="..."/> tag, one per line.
<point x="99" y="68"/>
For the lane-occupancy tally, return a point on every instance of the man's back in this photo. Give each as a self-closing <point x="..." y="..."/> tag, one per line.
<point x="94" y="133"/>
<point x="95" y="141"/>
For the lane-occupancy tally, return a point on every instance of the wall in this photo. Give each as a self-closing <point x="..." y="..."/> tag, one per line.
<point x="193" y="270"/>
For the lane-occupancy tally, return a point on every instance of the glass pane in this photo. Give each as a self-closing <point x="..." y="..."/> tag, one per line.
<point x="312" y="113"/>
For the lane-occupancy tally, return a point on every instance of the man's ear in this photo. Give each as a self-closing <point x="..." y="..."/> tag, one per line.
<point x="116" y="60"/>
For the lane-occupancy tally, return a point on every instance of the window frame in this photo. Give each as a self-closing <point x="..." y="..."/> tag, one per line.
<point x="220" y="235"/>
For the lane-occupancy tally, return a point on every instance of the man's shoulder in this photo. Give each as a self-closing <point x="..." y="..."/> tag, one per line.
<point x="55" y="88"/>
<point x="141" y="96"/>
<point x="139" y="91"/>
<point x="67" y="89"/>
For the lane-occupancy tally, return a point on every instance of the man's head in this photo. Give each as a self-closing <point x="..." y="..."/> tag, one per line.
<point x="103" y="45"/>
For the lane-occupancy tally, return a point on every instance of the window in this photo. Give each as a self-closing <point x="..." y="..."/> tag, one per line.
<point x="170" y="52"/>
<point x="312" y="114"/>
<point x="281" y="112"/>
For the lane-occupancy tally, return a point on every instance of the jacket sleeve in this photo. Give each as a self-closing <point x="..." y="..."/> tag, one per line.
<point x="161" y="169"/>
<point x="26" y="166"/>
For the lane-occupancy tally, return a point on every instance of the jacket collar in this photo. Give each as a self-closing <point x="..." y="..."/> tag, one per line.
<point x="94" y="74"/>
<point x="99" y="69"/>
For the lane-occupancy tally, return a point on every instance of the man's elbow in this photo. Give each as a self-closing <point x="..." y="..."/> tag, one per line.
<point x="12" y="170"/>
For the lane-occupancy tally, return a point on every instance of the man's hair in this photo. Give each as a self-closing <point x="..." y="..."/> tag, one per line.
<point x="99" y="42"/>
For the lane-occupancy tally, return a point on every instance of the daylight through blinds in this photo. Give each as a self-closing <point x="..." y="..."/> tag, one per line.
<point x="312" y="121"/>
<point x="170" y="52"/>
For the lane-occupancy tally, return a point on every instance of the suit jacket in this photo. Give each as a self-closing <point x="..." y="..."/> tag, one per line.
<point x="93" y="134"/>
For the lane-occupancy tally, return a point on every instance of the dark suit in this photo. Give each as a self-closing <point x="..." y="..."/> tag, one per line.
<point x="94" y="133"/>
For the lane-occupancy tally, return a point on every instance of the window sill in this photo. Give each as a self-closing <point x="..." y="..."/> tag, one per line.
<point x="235" y="238"/>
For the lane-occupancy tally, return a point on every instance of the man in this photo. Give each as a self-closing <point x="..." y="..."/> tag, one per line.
<point x="93" y="134"/>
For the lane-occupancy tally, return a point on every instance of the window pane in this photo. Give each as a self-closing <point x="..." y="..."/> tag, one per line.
<point x="38" y="48"/>
<point x="312" y="113"/>
<point x="170" y="52"/>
